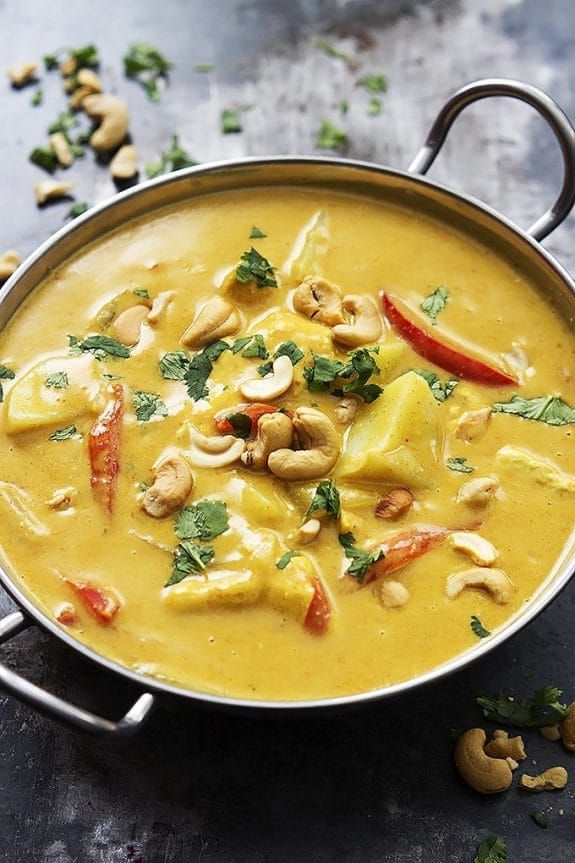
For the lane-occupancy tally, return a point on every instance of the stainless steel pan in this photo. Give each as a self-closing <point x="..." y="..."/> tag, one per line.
<point x="409" y="188"/>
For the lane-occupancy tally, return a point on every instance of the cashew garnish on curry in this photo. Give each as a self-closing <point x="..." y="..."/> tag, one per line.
<point x="285" y="462"/>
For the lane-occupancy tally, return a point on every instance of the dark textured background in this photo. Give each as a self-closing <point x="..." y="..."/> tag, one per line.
<point x="376" y="784"/>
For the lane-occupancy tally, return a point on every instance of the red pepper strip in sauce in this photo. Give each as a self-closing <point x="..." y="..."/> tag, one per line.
<point x="104" y="449"/>
<point x="253" y="411"/>
<point x="101" y="603"/>
<point x="449" y="358"/>
<point x="319" y="612"/>
<point x="401" y="549"/>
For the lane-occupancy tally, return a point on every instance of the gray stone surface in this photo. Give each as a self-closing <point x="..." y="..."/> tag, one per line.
<point x="375" y="784"/>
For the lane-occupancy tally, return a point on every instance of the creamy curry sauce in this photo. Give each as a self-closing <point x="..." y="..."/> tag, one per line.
<point x="90" y="555"/>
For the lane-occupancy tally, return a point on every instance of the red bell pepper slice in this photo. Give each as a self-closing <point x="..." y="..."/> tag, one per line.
<point x="402" y="548"/>
<point x="449" y="358"/>
<point x="253" y="411"/>
<point x="104" y="449"/>
<point x="101" y="603"/>
<point x="319" y="612"/>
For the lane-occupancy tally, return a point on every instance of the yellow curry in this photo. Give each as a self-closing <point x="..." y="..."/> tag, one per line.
<point x="285" y="444"/>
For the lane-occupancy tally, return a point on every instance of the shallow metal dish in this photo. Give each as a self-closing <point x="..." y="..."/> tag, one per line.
<point x="408" y="188"/>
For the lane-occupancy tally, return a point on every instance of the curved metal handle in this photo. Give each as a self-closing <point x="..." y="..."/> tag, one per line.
<point x="57" y="708"/>
<point x="544" y="105"/>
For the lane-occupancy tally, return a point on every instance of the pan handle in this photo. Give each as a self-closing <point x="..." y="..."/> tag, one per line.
<point x="57" y="708"/>
<point x="544" y="105"/>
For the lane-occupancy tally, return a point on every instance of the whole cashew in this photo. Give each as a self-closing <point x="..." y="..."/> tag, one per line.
<point x="9" y="263"/>
<point x="479" y="491"/>
<point x="61" y="148"/>
<point x="472" y="425"/>
<point x="552" y="779"/>
<point x="481" y="772"/>
<point x="21" y="74"/>
<point x="366" y="326"/>
<point x="275" y="431"/>
<point x="173" y="483"/>
<point x="47" y="190"/>
<point x="114" y="120"/>
<point x="568" y="728"/>
<point x="217" y="451"/>
<point x="127" y="326"/>
<point x="493" y="581"/>
<point x="504" y="746"/>
<point x="320" y="300"/>
<point x="89" y="78"/>
<point x="479" y="549"/>
<point x="271" y="386"/>
<point x="319" y="451"/>
<point x="124" y="165"/>
<point x="218" y="319"/>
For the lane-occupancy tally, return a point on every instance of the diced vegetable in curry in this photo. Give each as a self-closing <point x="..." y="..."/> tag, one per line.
<point x="302" y="460"/>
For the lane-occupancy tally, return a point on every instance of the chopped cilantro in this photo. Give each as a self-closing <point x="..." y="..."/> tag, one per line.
<point x="239" y="344"/>
<point x="322" y="374"/>
<point x="459" y="464"/>
<point x="254" y="267"/>
<point x="375" y="107"/>
<point x="492" y="850"/>
<point x="544" y="708"/>
<point x="50" y="62"/>
<point x="58" y="380"/>
<point x="360" y="560"/>
<point x="231" y="120"/>
<point x="173" y="159"/>
<point x="478" y="628"/>
<point x="188" y="558"/>
<point x="256" y="234"/>
<point x="434" y="303"/>
<point x="330" y="50"/>
<point x="256" y="348"/>
<point x="63" y="434"/>
<point x="440" y="391"/>
<point x="148" y="405"/>
<point x="330" y="137"/>
<point x="343" y="108"/>
<point x="63" y="123"/>
<point x="286" y="349"/>
<point x="325" y="499"/>
<point x="200" y="368"/>
<point x="45" y="158"/>
<point x="87" y="56"/>
<point x="241" y="424"/>
<point x="374" y="83"/>
<point x="204" y="520"/>
<point x="6" y="374"/>
<point x="99" y="345"/>
<point x="546" y="409"/>
<point x="77" y="209"/>
<point x="285" y="559"/>
<point x="356" y="372"/>
<point x="540" y="819"/>
<point x="37" y="98"/>
<point x="174" y="366"/>
<point x="142" y="292"/>
<point x="145" y="64"/>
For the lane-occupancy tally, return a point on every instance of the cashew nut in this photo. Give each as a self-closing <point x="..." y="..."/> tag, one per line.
<point x="124" y="165"/>
<point x="127" y="326"/>
<point x="47" y="190"/>
<point x="479" y="549"/>
<point x="307" y="532"/>
<point x="472" y="425"/>
<point x="568" y="728"/>
<point x="504" y="746"/>
<point x="62" y="498"/>
<point x="173" y="483"/>
<point x="394" y="504"/>
<point x="493" y="581"/>
<point x="366" y="326"/>
<point x="89" y="78"/>
<point x="21" y="74"/>
<point x="78" y="96"/>
<point x="479" y="491"/>
<point x="61" y="148"/>
<point x="481" y="772"/>
<point x="68" y="66"/>
<point x="275" y="431"/>
<point x="114" y="120"/>
<point x="393" y="594"/>
<point x="319" y="442"/>
<point x="271" y="386"/>
<point x="550" y="780"/>
<point x="218" y="318"/>
<point x="160" y="306"/>
<point x="550" y="732"/>
<point x="320" y="300"/>
<point x="346" y="410"/>
<point x="9" y="263"/>
<point x="217" y="451"/>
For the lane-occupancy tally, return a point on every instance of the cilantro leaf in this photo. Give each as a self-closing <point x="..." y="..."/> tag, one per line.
<point x="204" y="520"/>
<point x="188" y="558"/>
<point x="478" y="628"/>
<point x="325" y="499"/>
<point x="231" y="121"/>
<point x="58" y="380"/>
<point x="291" y="350"/>
<point x="360" y="560"/>
<point x="374" y="83"/>
<point x="544" y="708"/>
<point x="285" y="559"/>
<point x="200" y="368"/>
<point x="142" y="292"/>
<point x="37" y="98"/>
<point x="459" y="464"/>
<point x="63" y="123"/>
<point x="356" y="371"/>
<point x="330" y="137"/>
<point x="99" y="345"/>
<point x="435" y="303"/>
<point x="254" y="267"/>
<point x="256" y="348"/>
<point x="77" y="209"/>
<point x="6" y="374"/>
<point x="492" y="850"/>
<point x="256" y="234"/>
<point x="375" y="107"/>
<point x="63" y="434"/>
<point x="174" y="159"/>
<point x="145" y="64"/>
<point x="322" y="373"/>
<point x="241" y="424"/>
<point x="330" y="50"/>
<point x="174" y="365"/>
<point x="147" y="405"/>
<point x="440" y="391"/>
<point x="546" y="409"/>
<point x="45" y="158"/>
<point x="85" y="56"/>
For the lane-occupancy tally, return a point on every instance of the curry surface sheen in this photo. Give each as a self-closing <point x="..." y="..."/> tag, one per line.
<point x="253" y="649"/>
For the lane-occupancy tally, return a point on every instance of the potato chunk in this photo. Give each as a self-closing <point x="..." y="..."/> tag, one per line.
<point x="33" y="404"/>
<point x="291" y="590"/>
<point x="219" y="589"/>
<point x="398" y="438"/>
